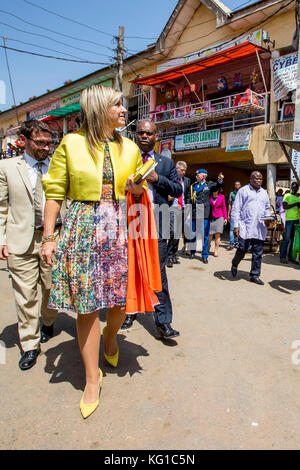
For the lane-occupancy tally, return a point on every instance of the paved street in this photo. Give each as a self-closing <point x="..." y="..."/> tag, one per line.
<point x="228" y="382"/>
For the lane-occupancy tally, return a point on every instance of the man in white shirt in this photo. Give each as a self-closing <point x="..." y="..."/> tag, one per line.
<point x="21" y="228"/>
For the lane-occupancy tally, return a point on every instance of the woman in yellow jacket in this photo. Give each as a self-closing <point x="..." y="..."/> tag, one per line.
<point x="93" y="167"/>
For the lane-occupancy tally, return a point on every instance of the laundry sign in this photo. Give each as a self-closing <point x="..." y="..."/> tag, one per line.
<point x="197" y="140"/>
<point x="284" y="75"/>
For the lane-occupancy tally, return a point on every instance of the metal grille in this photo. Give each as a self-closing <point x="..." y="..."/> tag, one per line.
<point x="143" y="102"/>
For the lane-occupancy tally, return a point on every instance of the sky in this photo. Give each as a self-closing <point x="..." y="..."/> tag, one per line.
<point x="31" y="75"/>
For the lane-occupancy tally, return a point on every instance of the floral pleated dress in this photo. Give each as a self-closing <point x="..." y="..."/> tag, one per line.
<point x="90" y="265"/>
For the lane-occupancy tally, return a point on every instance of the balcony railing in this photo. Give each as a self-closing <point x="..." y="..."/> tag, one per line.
<point x="246" y="103"/>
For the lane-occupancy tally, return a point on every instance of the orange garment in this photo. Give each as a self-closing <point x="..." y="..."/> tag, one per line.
<point x="143" y="260"/>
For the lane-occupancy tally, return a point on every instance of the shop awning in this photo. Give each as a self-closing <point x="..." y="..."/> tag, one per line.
<point x="65" y="110"/>
<point x="237" y="52"/>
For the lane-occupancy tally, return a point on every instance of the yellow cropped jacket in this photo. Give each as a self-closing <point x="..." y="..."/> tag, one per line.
<point x="73" y="172"/>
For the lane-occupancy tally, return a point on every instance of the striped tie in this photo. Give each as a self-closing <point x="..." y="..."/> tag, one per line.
<point x="38" y="196"/>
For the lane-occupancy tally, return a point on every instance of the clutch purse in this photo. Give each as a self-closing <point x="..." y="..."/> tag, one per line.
<point x="144" y="170"/>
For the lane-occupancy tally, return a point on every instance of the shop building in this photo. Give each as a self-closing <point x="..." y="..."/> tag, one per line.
<point x="60" y="108"/>
<point x="212" y="95"/>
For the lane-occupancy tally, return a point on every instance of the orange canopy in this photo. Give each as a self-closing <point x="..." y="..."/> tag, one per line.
<point x="237" y="52"/>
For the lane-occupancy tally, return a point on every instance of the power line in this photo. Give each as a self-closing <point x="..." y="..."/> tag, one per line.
<point x="68" y="19"/>
<point x="53" y="57"/>
<point x="10" y="79"/>
<point x="54" y="40"/>
<point x="43" y="47"/>
<point x="55" y="32"/>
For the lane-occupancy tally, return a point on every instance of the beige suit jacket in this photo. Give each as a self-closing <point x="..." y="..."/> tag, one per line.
<point x="16" y="206"/>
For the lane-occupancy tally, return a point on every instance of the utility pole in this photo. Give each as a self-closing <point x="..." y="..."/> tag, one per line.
<point x="120" y="59"/>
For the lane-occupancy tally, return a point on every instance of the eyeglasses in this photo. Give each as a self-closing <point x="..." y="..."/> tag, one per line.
<point x="41" y="144"/>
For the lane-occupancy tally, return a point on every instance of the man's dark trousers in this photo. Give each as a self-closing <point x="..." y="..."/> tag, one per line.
<point x="257" y="252"/>
<point x="163" y="312"/>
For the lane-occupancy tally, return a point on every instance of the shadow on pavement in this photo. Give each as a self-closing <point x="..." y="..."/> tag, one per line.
<point x="64" y="361"/>
<point x="286" y="286"/>
<point x="10" y="336"/>
<point x="227" y="276"/>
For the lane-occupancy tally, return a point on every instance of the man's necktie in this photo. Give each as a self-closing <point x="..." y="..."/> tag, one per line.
<point x="38" y="196"/>
<point x="180" y="201"/>
<point x="145" y="157"/>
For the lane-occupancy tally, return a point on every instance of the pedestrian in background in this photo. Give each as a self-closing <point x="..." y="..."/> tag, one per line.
<point x="218" y="219"/>
<point x="250" y="207"/>
<point x="200" y="196"/>
<point x="291" y="205"/>
<point x="178" y="214"/>
<point x="233" y="241"/>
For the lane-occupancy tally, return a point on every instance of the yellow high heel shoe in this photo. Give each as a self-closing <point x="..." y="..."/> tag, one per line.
<point x="88" y="408"/>
<point x="112" y="360"/>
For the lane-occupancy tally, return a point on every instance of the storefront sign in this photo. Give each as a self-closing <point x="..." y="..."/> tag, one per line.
<point x="197" y="140"/>
<point x="295" y="158"/>
<point x="284" y="75"/>
<point x="288" y="112"/>
<point x="75" y="98"/>
<point x="238" y="140"/>
<point x="254" y="38"/>
<point x="165" y="147"/>
<point x="41" y="112"/>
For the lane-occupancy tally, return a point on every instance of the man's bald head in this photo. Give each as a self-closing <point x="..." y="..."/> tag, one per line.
<point x="256" y="179"/>
<point x="146" y="135"/>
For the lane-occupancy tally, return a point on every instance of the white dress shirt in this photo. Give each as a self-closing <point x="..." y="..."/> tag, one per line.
<point x="150" y="187"/>
<point x="31" y="164"/>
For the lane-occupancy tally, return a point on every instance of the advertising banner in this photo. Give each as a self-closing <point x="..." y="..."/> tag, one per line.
<point x="197" y="140"/>
<point x="238" y="140"/>
<point x="284" y="75"/>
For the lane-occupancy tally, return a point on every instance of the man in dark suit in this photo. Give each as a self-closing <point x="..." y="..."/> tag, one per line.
<point x="179" y="212"/>
<point x="162" y="182"/>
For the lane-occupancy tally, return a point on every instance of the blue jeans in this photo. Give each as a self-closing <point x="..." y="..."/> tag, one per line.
<point x="233" y="241"/>
<point x="206" y="225"/>
<point x="288" y="237"/>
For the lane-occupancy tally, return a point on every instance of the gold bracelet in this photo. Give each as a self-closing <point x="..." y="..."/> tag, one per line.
<point x="48" y="238"/>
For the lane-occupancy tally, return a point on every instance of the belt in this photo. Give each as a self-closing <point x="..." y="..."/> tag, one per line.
<point x="40" y="228"/>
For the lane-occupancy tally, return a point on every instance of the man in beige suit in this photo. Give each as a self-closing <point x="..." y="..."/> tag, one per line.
<point x="21" y="228"/>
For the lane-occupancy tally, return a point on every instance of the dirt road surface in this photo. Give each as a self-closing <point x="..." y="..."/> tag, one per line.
<point x="230" y="381"/>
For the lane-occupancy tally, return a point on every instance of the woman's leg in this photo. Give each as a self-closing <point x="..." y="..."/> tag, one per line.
<point x="88" y="332"/>
<point x="115" y="318"/>
<point x="217" y="243"/>
<point x="209" y="242"/>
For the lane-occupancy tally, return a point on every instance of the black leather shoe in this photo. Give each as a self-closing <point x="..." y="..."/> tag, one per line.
<point x="128" y="322"/>
<point x="192" y="255"/>
<point x="167" y="331"/>
<point x="175" y="260"/>
<point x="205" y="260"/>
<point x="256" y="280"/>
<point x="233" y="270"/>
<point x="29" y="359"/>
<point x="169" y="263"/>
<point x="47" y="333"/>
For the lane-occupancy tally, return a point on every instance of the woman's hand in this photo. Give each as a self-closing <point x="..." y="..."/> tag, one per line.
<point x="225" y="222"/>
<point x="132" y="187"/>
<point x="48" y="251"/>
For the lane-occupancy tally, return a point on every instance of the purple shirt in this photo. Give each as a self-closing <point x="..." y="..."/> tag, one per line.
<point x="248" y="209"/>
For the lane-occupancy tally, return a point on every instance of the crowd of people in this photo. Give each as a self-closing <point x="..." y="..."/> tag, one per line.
<point x="74" y="212"/>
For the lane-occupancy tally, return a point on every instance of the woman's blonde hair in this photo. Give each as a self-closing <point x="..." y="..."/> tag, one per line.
<point x="95" y="103"/>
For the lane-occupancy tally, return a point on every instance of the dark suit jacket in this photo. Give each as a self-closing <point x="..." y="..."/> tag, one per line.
<point x="187" y="190"/>
<point x="168" y="183"/>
